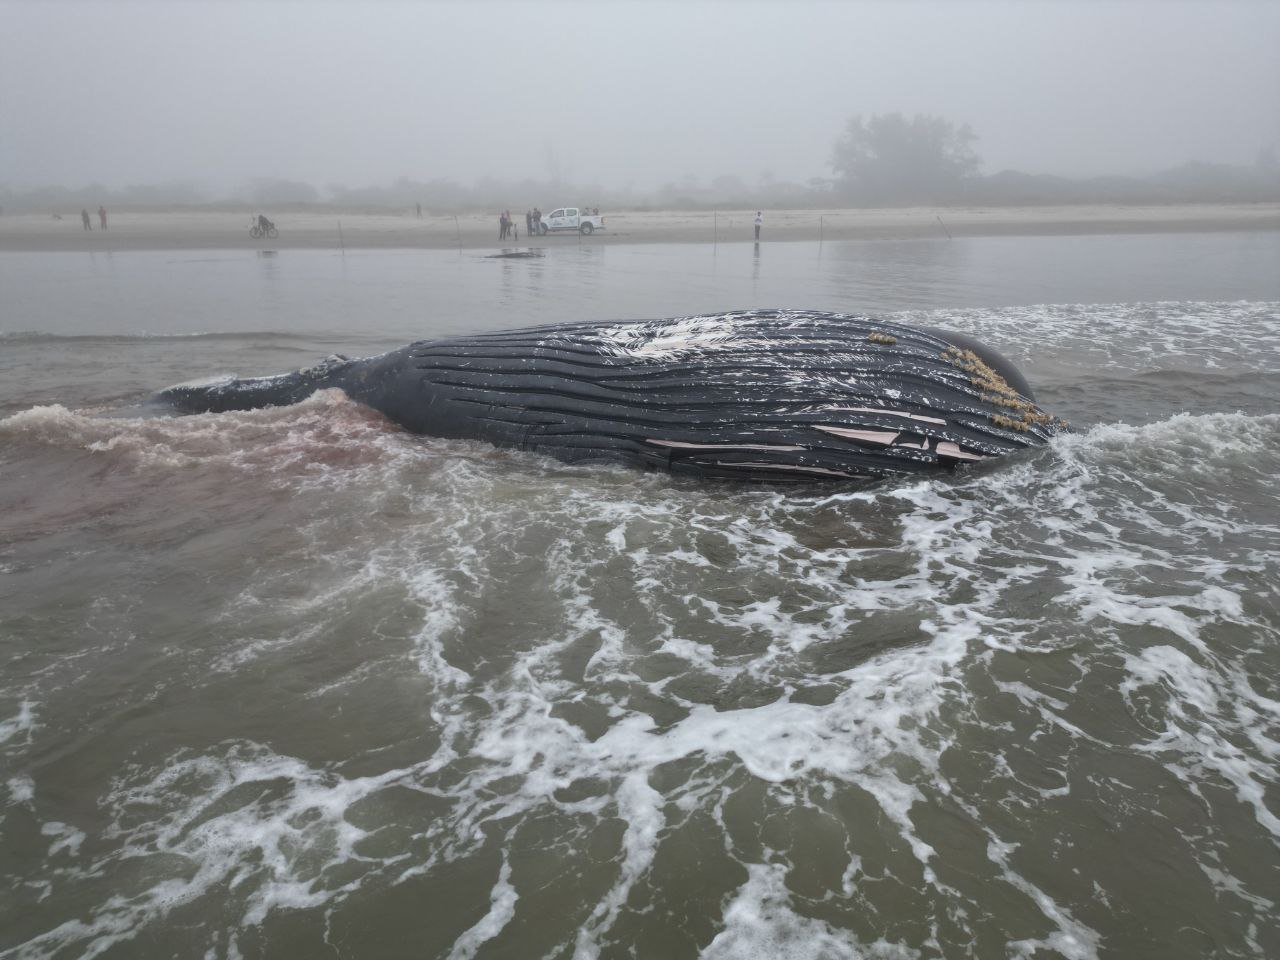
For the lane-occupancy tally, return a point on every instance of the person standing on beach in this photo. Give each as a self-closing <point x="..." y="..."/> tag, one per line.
<point x="419" y="211"/>
<point x="528" y="223"/>
<point x="102" y="216"/>
<point x="502" y="226"/>
<point x="84" y="218"/>
<point x="759" y="224"/>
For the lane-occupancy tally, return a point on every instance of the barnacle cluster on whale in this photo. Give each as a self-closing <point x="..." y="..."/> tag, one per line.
<point x="761" y="395"/>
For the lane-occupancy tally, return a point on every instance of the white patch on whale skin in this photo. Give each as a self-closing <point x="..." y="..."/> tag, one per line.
<point x="868" y="436"/>
<point x="948" y="449"/>
<point x="882" y="411"/>
<point x="232" y="381"/>
<point x="922" y="445"/>
<point x="822" y="471"/>
<point x="228" y="381"/>
<point x="670" y="338"/>
<point x="257" y="383"/>
<point x="726" y="446"/>
<point x="222" y="379"/>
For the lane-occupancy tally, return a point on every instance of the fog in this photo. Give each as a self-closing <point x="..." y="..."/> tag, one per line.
<point x="631" y="95"/>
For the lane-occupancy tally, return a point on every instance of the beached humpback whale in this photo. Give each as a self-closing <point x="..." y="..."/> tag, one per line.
<point x="760" y="395"/>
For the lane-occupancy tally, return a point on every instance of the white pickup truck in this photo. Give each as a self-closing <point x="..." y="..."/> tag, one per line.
<point x="570" y="218"/>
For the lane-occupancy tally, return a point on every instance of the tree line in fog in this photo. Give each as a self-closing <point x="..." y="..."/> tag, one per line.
<point x="884" y="160"/>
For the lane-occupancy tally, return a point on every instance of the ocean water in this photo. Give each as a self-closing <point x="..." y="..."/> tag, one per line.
<point x="292" y="683"/>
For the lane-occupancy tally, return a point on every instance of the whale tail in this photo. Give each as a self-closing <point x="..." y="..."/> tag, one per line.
<point x="221" y="394"/>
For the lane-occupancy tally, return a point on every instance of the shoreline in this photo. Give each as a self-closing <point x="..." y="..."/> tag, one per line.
<point x="319" y="230"/>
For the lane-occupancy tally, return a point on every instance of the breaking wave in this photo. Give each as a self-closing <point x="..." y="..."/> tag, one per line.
<point x="827" y="695"/>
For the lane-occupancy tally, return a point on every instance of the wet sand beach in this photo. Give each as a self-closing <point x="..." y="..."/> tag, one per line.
<point x="200" y="229"/>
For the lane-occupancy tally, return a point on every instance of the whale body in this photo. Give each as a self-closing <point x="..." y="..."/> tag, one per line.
<point x="756" y="395"/>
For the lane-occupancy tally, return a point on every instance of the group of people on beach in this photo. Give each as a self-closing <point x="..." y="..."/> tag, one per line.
<point x="102" y="217"/>
<point x="507" y="229"/>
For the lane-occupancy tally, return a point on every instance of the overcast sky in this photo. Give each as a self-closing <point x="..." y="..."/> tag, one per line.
<point x="616" y="93"/>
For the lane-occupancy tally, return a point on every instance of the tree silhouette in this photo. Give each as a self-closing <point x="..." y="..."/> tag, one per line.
<point x="890" y="159"/>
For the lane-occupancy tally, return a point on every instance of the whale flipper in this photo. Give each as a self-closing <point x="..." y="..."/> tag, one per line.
<point x="220" y="394"/>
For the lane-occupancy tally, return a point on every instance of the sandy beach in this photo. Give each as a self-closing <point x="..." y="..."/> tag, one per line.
<point x="196" y="229"/>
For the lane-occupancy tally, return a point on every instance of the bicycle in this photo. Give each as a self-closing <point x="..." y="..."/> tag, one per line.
<point x="257" y="230"/>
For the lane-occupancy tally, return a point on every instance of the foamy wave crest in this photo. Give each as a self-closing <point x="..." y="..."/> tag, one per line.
<point x="265" y="826"/>
<point x="1198" y="704"/>
<point x="1185" y="450"/>
<point x="760" y="925"/>
<point x="22" y="723"/>
<point x="775" y="717"/>
<point x="1191" y="439"/>
<point x="1133" y="336"/>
